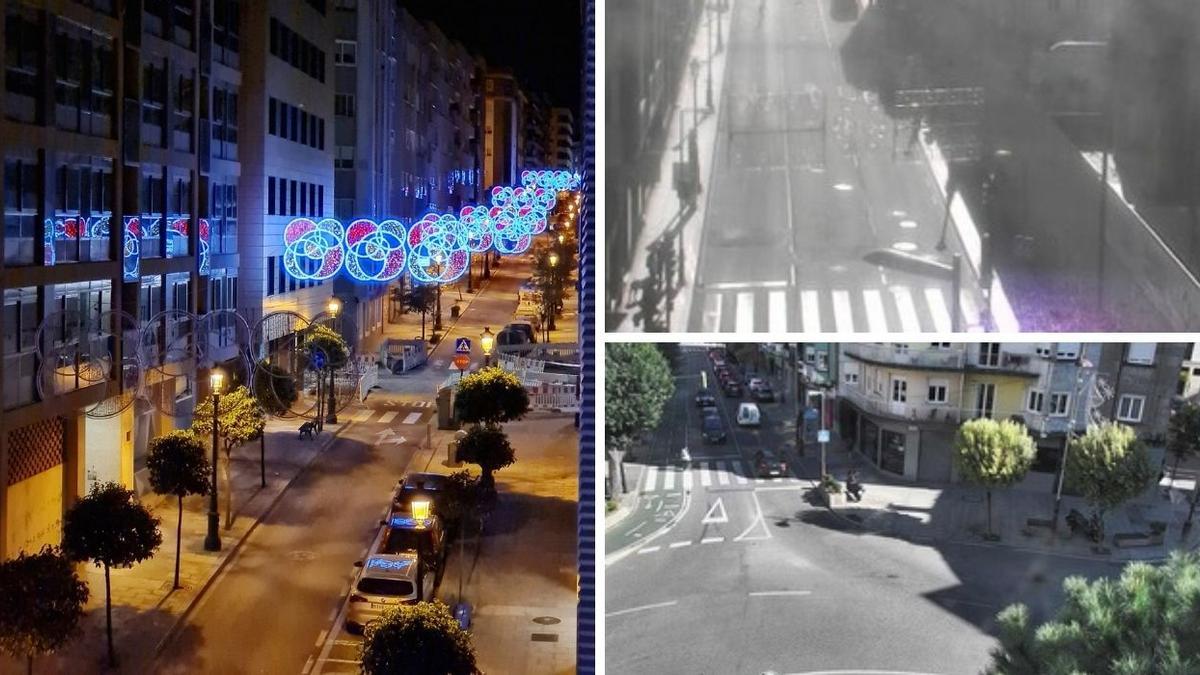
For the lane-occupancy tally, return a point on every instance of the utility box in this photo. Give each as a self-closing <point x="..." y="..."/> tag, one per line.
<point x="445" y="409"/>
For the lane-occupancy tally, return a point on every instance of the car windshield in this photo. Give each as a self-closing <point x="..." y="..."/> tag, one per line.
<point x="392" y="587"/>
<point x="399" y="540"/>
<point x="712" y="424"/>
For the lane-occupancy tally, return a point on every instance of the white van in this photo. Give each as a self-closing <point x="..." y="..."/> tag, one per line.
<point x="748" y="415"/>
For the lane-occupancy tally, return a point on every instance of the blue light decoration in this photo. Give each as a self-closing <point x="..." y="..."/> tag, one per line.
<point x="481" y="231"/>
<point x="203" y="235"/>
<point x="48" y="255"/>
<point x="556" y="181"/>
<point x="408" y="522"/>
<point x="313" y="250"/>
<point x="438" y="244"/>
<point x="389" y="565"/>
<point x="177" y="234"/>
<point x="131" y="249"/>
<point x="375" y="252"/>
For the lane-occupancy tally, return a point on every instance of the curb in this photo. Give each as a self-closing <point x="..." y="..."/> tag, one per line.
<point x="173" y="631"/>
<point x="622" y="512"/>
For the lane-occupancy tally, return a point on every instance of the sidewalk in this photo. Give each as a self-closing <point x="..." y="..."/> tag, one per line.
<point x="521" y="577"/>
<point x="146" y="610"/>
<point x="958" y="513"/>
<point x="663" y="210"/>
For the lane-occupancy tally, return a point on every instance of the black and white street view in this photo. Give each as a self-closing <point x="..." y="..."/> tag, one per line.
<point x="726" y="553"/>
<point x="901" y="166"/>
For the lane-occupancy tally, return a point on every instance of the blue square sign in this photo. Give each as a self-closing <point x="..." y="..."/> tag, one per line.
<point x="462" y="345"/>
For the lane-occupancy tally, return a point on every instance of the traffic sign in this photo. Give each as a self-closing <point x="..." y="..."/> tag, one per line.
<point x="462" y="346"/>
<point x="318" y="360"/>
<point x="462" y="361"/>
<point x="823" y="436"/>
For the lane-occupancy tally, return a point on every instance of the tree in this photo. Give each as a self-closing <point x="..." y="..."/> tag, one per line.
<point x="491" y="396"/>
<point x="488" y="447"/>
<point x="420" y="639"/>
<point x="178" y="467"/>
<point x="459" y="500"/>
<point x="1145" y="622"/>
<point x="1183" y="442"/>
<point x="637" y="386"/>
<point x="274" y="388"/>
<point x="1108" y="465"/>
<point x="421" y="298"/>
<point x="112" y="529"/>
<point x="43" y="603"/>
<point x="241" y="420"/>
<point x="992" y="454"/>
<point x="329" y="343"/>
<point x="551" y="280"/>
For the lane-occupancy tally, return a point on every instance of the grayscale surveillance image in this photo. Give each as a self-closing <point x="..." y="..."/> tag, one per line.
<point x="902" y="165"/>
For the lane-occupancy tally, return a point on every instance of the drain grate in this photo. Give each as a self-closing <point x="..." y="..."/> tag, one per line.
<point x="547" y="620"/>
<point x="544" y="637"/>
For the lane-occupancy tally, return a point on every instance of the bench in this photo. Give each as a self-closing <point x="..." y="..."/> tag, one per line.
<point x="308" y="429"/>
<point x="1132" y="539"/>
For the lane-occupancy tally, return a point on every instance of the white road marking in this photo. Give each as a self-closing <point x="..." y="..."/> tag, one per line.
<point x="705" y="476"/>
<point x="937" y="307"/>
<point x="411" y="418"/>
<point x="648" y="549"/>
<point x="651" y="479"/>
<point x="843" y="315"/>
<point x="768" y="594"/>
<point x="909" y="322"/>
<point x="777" y="312"/>
<point x="712" y="517"/>
<point x="387" y="417"/>
<point x="876" y="316"/>
<point x="641" y="608"/>
<point x="681" y="544"/>
<point x="321" y="636"/>
<point x="712" y="540"/>
<point x="738" y="472"/>
<point x="687" y="481"/>
<point x="739" y="285"/>
<point x="745" y="312"/>
<point x="307" y="665"/>
<point x="669" y="479"/>
<point x="759" y="520"/>
<point x="810" y="310"/>
<point x="722" y="473"/>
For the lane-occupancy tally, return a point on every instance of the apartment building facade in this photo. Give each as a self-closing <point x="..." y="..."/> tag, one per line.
<point x="560" y="148"/>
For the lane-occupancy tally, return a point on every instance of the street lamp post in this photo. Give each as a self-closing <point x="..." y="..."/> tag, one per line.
<point x="334" y="307"/>
<point x="486" y="342"/>
<point x="550" y="309"/>
<point x="720" y="11"/>
<point x="708" y="95"/>
<point x="1062" y="469"/>
<point x="212" y="542"/>
<point x="694" y="65"/>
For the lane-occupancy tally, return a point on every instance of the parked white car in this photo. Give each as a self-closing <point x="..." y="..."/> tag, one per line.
<point x="748" y="415"/>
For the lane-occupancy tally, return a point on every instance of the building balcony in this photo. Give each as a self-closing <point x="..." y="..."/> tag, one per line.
<point x="953" y="358"/>
<point x="927" y="413"/>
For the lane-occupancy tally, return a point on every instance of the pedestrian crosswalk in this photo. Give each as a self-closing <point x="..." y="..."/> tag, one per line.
<point x="715" y="473"/>
<point x="777" y="308"/>
<point x="401" y="416"/>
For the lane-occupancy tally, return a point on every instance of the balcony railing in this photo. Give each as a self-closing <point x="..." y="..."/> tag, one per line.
<point x="951" y="358"/>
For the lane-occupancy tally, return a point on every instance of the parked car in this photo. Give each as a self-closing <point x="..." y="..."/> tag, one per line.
<point x="754" y="383"/>
<point x="764" y="393"/>
<point x="712" y="430"/>
<point x="705" y="399"/>
<point x="382" y="582"/>
<point x="710" y="411"/>
<point x="417" y="484"/>
<point x="732" y="388"/>
<point x="426" y="538"/>
<point x="748" y="415"/>
<point x="512" y="337"/>
<point x="768" y="465"/>
<point x="524" y="327"/>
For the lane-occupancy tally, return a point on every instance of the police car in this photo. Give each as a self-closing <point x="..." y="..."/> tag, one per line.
<point x="383" y="582"/>
<point x="406" y="534"/>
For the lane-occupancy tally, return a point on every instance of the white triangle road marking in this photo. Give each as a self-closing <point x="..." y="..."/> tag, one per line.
<point x="712" y="518"/>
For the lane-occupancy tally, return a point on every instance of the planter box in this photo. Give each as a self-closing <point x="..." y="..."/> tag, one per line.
<point x="833" y="499"/>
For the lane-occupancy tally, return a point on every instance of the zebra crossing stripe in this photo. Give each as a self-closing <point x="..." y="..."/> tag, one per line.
<point x="777" y="312"/>
<point x="387" y="416"/>
<point x="411" y="418"/>
<point x="722" y="473"/>
<point x="745" y="312"/>
<point x="363" y="415"/>
<point x="909" y="322"/>
<point x="876" y="315"/>
<point x="705" y="476"/>
<point x="738" y="474"/>
<point x="937" y="307"/>
<point x="651" y="479"/>
<point x="843" y="313"/>
<point x="669" y="479"/>
<point x="687" y="482"/>
<point x="810" y="311"/>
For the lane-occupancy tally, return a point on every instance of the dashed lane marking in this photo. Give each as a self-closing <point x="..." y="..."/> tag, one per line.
<point x="641" y="608"/>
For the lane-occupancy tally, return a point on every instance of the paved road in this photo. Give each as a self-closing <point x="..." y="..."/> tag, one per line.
<point x="812" y="179"/>
<point x="752" y="578"/>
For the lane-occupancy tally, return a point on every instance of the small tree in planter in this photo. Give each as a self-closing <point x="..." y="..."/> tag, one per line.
<point x="491" y="396"/>
<point x="112" y="529"/>
<point x="43" y="601"/>
<point x="422" y="299"/>
<point x="178" y="467"/>
<point x="241" y="420"/>
<point x="489" y="448"/>
<point x="993" y="454"/>
<point x="420" y="639"/>
<point x="1108" y="465"/>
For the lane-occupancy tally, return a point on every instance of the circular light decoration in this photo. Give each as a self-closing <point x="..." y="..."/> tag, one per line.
<point x="480" y="229"/>
<point x="513" y="229"/>
<point x="313" y="250"/>
<point x="439" y="249"/>
<point x="131" y="251"/>
<point x="375" y="251"/>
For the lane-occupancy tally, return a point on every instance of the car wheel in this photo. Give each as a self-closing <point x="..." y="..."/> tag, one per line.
<point x="353" y="628"/>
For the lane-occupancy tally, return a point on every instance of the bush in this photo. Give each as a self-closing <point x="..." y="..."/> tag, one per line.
<point x="830" y="484"/>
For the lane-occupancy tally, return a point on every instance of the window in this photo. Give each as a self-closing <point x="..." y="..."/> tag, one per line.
<point x="294" y="197"/>
<point x="1129" y="409"/>
<point x="1060" y="403"/>
<point x="301" y="54"/>
<point x="989" y="354"/>
<point x="850" y="378"/>
<point x="940" y="345"/>
<point x="271" y="119"/>
<point x="937" y="391"/>
<point x="899" y="390"/>
<point x="1141" y="353"/>
<point x="20" y="209"/>
<point x="270" y="195"/>
<point x="1068" y="351"/>
<point x="1035" y="400"/>
<point x="226" y="42"/>
<point x="343" y="104"/>
<point x="344" y="157"/>
<point x="320" y="200"/>
<point x="345" y="52"/>
<point x="224" y="122"/>
<point x="20" y="330"/>
<point x="985" y="399"/>
<point x="1043" y="350"/>
<point x="22" y="64"/>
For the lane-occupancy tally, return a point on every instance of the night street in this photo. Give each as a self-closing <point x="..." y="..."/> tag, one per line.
<point x="754" y="578"/>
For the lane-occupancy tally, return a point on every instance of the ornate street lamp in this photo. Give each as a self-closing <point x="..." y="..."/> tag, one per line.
<point x="334" y="307"/>
<point x="486" y="342"/>
<point x="212" y="542"/>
